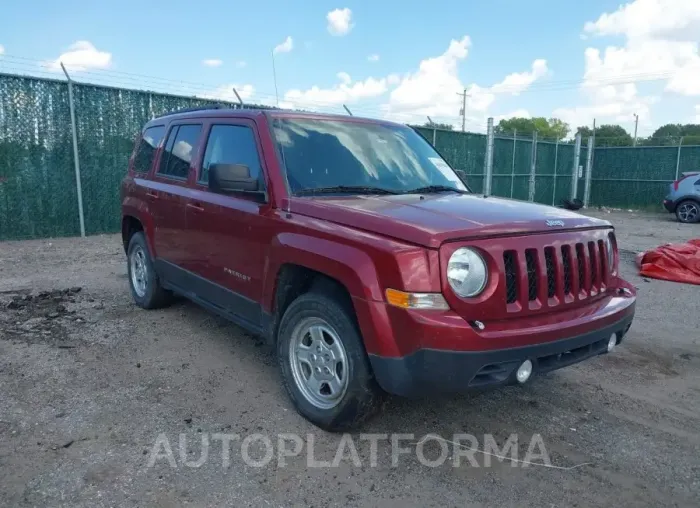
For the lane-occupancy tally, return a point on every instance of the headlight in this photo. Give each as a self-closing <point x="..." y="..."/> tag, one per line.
<point x="467" y="272"/>
<point x="610" y="250"/>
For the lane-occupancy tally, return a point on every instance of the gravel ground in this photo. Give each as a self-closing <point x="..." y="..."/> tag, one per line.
<point x="88" y="382"/>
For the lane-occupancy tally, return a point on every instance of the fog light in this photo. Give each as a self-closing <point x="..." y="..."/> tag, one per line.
<point x="524" y="371"/>
<point x="612" y="342"/>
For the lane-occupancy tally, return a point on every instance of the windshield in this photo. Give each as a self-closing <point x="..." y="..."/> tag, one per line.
<point x="354" y="157"/>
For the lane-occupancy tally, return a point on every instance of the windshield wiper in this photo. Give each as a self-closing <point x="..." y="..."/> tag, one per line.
<point x="428" y="189"/>
<point x="345" y="189"/>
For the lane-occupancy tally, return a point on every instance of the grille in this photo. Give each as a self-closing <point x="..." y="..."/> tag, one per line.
<point x="511" y="276"/>
<point x="602" y="254"/>
<point x="594" y="267"/>
<point x="551" y="274"/>
<point x="574" y="270"/>
<point x="580" y="257"/>
<point x="531" y="264"/>
<point x="566" y="262"/>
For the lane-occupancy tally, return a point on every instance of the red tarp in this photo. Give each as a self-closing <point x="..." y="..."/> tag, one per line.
<point x="678" y="262"/>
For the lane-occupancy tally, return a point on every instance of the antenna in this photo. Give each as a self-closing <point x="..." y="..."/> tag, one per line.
<point x="346" y="109"/>
<point x="274" y="77"/>
<point x="238" y="97"/>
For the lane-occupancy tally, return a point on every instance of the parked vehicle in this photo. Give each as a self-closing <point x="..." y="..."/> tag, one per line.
<point x="359" y="254"/>
<point x="683" y="197"/>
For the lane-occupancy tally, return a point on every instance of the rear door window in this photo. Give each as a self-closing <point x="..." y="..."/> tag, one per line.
<point x="147" y="148"/>
<point x="231" y="144"/>
<point x="177" y="156"/>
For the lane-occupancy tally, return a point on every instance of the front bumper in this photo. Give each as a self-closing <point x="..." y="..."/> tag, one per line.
<point x="427" y="371"/>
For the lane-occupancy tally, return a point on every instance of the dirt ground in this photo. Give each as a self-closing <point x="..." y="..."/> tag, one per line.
<point x="88" y="382"/>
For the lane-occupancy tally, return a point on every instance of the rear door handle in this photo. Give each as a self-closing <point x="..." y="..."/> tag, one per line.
<point x="195" y="206"/>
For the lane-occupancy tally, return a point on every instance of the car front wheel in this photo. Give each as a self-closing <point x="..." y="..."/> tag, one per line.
<point x="688" y="211"/>
<point x="324" y="365"/>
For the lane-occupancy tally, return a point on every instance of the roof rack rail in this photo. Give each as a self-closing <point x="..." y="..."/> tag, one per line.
<point x="214" y="105"/>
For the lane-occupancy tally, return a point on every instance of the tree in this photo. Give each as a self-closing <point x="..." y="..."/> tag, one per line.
<point x="438" y="125"/>
<point x="551" y="128"/>
<point x="606" y="135"/>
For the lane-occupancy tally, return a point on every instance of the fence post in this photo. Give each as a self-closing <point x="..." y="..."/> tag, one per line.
<point x="554" y="178"/>
<point x="589" y="168"/>
<point x="434" y="136"/>
<point x="512" y="171"/>
<point x="488" y="162"/>
<point x="76" y="160"/>
<point x="533" y="165"/>
<point x="678" y="157"/>
<point x="574" y="172"/>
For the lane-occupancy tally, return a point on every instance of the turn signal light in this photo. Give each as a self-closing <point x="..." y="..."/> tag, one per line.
<point x="416" y="300"/>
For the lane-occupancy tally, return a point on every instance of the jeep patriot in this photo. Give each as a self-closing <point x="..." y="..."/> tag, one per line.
<point x="360" y="255"/>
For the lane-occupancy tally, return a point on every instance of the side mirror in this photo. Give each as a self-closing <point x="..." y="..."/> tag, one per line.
<point x="231" y="178"/>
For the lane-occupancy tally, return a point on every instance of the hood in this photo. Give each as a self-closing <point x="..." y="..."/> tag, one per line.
<point x="433" y="219"/>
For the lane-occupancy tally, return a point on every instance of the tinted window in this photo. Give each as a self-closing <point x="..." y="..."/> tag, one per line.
<point x="231" y="144"/>
<point x="147" y="148"/>
<point x="182" y="142"/>
<point x="330" y="153"/>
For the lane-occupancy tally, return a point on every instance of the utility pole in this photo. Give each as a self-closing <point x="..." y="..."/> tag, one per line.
<point x="636" y="122"/>
<point x="463" y="111"/>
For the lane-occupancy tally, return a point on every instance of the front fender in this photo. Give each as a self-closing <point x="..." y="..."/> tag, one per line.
<point x="349" y="265"/>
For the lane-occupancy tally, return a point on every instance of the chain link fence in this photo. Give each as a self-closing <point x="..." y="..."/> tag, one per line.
<point x="39" y="196"/>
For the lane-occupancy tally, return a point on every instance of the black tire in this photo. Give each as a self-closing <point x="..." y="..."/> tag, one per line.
<point x="363" y="396"/>
<point x="154" y="296"/>
<point x="682" y="211"/>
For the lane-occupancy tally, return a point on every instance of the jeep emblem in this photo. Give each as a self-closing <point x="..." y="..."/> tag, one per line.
<point x="552" y="223"/>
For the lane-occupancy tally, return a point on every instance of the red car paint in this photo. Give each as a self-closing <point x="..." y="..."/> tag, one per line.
<point x="369" y="244"/>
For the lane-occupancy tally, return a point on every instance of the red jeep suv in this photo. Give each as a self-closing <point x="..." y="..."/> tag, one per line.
<point x="359" y="254"/>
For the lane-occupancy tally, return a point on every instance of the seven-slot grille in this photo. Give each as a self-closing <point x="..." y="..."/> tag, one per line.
<point x="572" y="270"/>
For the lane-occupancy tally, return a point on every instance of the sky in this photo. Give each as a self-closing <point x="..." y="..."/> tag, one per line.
<point x="401" y="60"/>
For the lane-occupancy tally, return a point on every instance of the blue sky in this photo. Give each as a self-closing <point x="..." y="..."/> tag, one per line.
<point x="575" y="60"/>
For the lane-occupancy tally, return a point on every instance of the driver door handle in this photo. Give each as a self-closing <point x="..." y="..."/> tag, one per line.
<point x="195" y="206"/>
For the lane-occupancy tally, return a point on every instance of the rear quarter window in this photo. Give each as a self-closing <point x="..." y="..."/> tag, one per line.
<point x="147" y="148"/>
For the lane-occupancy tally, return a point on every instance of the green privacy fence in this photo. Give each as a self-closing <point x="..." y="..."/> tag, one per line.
<point x="38" y="196"/>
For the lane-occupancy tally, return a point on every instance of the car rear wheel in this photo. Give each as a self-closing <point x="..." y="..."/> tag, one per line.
<point x="143" y="280"/>
<point x="688" y="211"/>
<point x="323" y="362"/>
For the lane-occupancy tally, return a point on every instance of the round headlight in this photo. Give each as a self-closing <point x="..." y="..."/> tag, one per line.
<point x="466" y="272"/>
<point x="611" y="254"/>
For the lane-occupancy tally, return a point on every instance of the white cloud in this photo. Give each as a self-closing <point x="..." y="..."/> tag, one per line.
<point x="660" y="44"/>
<point x="212" y="62"/>
<point x="373" y="58"/>
<point x="225" y="93"/>
<point x="346" y="92"/>
<point x="393" y="79"/>
<point x="2" y="49"/>
<point x="285" y="46"/>
<point x="344" y="78"/>
<point x="339" y="21"/>
<point x="80" y="56"/>
<point x="431" y="90"/>
<point x="697" y="114"/>
<point x="435" y="89"/>
<point x="667" y="19"/>
<point x="518" y="81"/>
